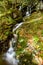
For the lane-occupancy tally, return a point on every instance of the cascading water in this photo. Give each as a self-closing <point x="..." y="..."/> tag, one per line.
<point x="10" y="55"/>
<point x="18" y="25"/>
<point x="20" y="7"/>
<point x="27" y="12"/>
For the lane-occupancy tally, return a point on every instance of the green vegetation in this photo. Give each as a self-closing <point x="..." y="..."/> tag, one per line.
<point x="30" y="33"/>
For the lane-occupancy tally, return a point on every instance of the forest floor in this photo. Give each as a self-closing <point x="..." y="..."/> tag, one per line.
<point x="32" y="32"/>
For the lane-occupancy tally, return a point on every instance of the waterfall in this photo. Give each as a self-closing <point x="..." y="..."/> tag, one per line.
<point x="10" y="55"/>
<point x="27" y="12"/>
<point x="20" y="8"/>
<point x="18" y="25"/>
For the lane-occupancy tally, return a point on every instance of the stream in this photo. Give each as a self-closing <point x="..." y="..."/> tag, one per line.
<point x="9" y="58"/>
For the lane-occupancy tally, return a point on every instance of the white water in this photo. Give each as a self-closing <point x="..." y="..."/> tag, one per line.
<point x="20" y="7"/>
<point x="27" y="12"/>
<point x="10" y="55"/>
<point x="17" y="26"/>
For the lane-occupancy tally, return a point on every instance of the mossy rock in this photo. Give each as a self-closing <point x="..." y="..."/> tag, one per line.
<point x="6" y="24"/>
